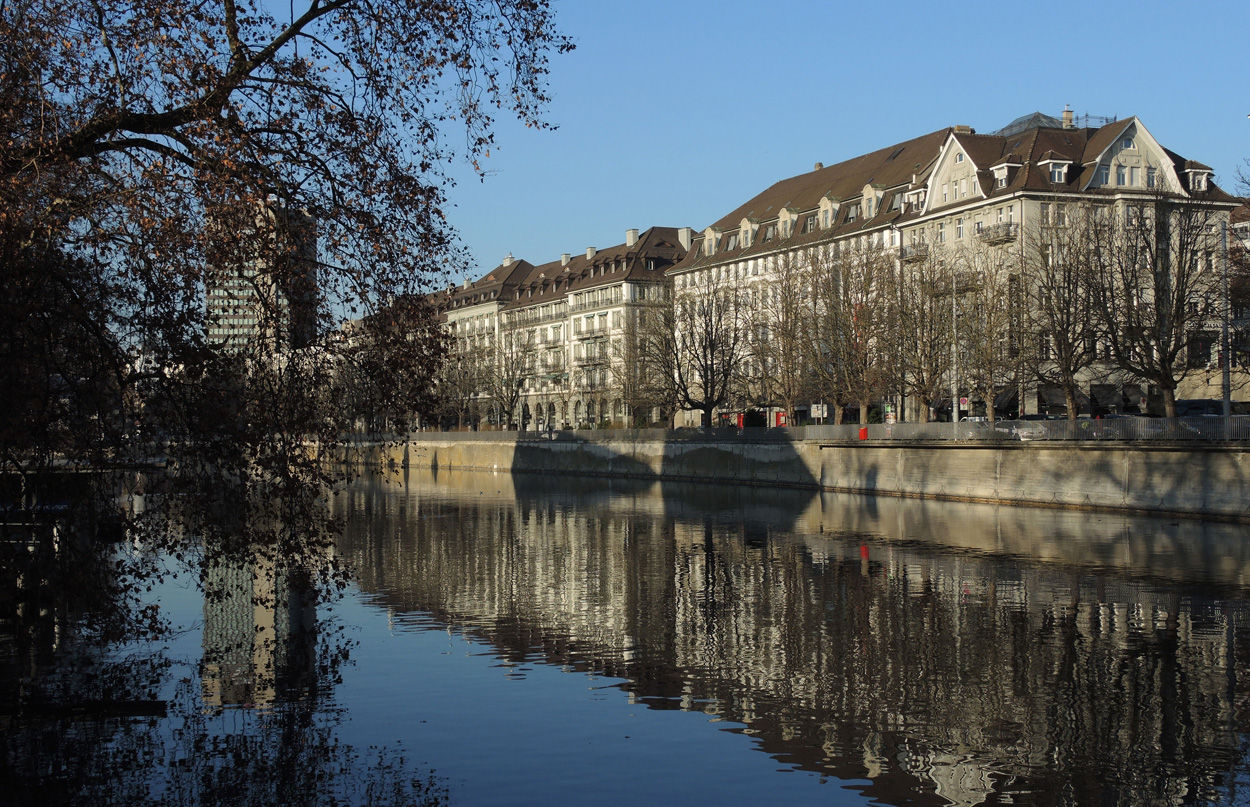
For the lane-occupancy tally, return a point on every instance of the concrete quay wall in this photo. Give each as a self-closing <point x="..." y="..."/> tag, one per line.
<point x="1211" y="480"/>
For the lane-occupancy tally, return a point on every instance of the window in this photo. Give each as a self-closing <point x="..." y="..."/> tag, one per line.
<point x="1002" y="180"/>
<point x="1104" y="175"/>
<point x="1120" y="175"/>
<point x="1199" y="182"/>
<point x="1011" y="213"/>
<point x="1150" y="177"/>
<point x="959" y="228"/>
<point x="941" y="236"/>
<point x="824" y="218"/>
<point x="959" y="158"/>
<point x="852" y="213"/>
<point x="1045" y="213"/>
<point x="1000" y="215"/>
<point x="945" y="192"/>
<point x="1060" y="219"/>
<point x="1058" y="173"/>
<point x="1128" y="143"/>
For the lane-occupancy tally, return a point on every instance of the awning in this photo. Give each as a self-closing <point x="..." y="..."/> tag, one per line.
<point x="1106" y="396"/>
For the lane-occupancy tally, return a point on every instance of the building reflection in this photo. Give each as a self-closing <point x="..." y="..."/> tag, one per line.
<point x="944" y="654"/>
<point x="260" y="634"/>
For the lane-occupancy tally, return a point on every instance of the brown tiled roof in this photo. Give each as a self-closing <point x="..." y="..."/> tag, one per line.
<point x="887" y="167"/>
<point x="552" y="281"/>
<point x="894" y="166"/>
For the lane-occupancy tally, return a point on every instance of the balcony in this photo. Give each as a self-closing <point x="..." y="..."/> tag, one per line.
<point x="911" y="253"/>
<point x="611" y="299"/>
<point x="999" y="233"/>
<point x="593" y="358"/>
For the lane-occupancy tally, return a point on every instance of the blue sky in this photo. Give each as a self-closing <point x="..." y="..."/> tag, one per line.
<point x="674" y="113"/>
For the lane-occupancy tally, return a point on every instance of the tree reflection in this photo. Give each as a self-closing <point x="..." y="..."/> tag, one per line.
<point x="252" y="724"/>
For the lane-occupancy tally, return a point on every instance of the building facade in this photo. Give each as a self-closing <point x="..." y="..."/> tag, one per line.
<point x="269" y="300"/>
<point x="553" y="345"/>
<point x="922" y="270"/>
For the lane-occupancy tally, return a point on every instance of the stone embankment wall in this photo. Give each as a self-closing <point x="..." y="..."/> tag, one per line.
<point x="1211" y="480"/>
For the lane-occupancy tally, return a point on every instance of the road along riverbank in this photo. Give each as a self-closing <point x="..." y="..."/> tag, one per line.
<point x="1201" y="480"/>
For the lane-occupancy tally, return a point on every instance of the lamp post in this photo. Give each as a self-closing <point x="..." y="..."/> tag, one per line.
<point x="1226" y="358"/>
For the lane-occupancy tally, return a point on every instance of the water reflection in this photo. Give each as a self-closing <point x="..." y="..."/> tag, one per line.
<point x="947" y="654"/>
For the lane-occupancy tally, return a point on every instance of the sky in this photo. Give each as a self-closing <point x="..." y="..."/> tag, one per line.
<point x="672" y="113"/>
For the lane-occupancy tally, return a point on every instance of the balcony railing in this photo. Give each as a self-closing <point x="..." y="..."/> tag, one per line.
<point x="611" y="299"/>
<point x="914" y="252"/>
<point x="998" y="233"/>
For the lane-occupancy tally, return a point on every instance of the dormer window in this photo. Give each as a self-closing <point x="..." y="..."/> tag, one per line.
<point x="1198" y="182"/>
<point x="1058" y="173"/>
<point x="852" y="213"/>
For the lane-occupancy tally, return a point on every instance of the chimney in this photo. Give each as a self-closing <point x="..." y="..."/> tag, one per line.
<point x="466" y="281"/>
<point x="1067" y="118"/>
<point x="684" y="236"/>
<point x="818" y="166"/>
<point x="565" y="258"/>
<point x="507" y="260"/>
<point x="590" y="253"/>
<point x="631" y="237"/>
<point x="964" y="130"/>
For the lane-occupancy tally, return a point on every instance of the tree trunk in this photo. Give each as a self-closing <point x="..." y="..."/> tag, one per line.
<point x="1069" y="400"/>
<point x="863" y="413"/>
<point x="1169" y="402"/>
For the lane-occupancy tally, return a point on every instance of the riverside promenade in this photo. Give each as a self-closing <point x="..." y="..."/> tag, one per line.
<point x="1194" y="478"/>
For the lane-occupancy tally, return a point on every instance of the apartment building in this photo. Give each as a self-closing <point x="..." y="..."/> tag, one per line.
<point x="550" y="344"/>
<point x="954" y="209"/>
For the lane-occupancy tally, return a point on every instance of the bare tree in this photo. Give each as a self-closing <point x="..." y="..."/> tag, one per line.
<point x="777" y="371"/>
<point x="922" y="326"/>
<point x="1152" y="282"/>
<point x="850" y="287"/>
<point x="1058" y="342"/>
<point x="509" y="370"/>
<point x="986" y="282"/>
<point x="696" y="340"/>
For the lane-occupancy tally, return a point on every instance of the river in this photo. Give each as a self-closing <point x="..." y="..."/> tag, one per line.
<point x="517" y="640"/>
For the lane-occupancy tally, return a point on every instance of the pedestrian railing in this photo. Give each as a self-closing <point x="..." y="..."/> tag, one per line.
<point x="1114" y="429"/>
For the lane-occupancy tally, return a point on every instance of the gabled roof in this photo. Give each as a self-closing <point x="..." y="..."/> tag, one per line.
<point x="552" y="281"/>
<point x="887" y="167"/>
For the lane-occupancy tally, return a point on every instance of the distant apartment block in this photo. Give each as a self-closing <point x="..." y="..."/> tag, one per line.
<point x="269" y="300"/>
<point x="948" y="212"/>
